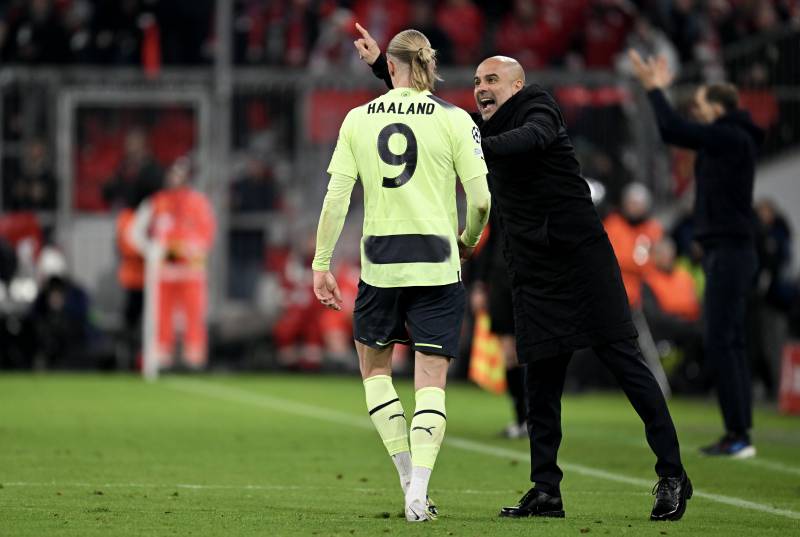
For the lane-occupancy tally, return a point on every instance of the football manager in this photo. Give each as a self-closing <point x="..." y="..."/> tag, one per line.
<point x="566" y="284"/>
<point x="727" y="143"/>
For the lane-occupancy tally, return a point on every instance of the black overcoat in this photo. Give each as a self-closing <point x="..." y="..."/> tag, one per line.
<point x="566" y="283"/>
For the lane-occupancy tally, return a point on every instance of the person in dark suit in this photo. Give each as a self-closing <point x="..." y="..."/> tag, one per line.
<point x="727" y="142"/>
<point x="566" y="286"/>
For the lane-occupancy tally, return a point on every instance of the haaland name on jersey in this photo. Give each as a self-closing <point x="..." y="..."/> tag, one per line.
<point x="401" y="108"/>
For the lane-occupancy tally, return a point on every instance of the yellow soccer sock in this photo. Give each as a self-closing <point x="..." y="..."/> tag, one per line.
<point x="386" y="413"/>
<point x="427" y="427"/>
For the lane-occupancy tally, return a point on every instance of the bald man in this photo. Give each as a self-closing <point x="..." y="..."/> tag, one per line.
<point x="566" y="284"/>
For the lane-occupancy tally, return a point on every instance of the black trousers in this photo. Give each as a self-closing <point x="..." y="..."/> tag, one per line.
<point x="545" y="382"/>
<point x="729" y="277"/>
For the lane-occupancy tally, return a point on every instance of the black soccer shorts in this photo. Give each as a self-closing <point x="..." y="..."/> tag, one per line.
<point x="427" y="317"/>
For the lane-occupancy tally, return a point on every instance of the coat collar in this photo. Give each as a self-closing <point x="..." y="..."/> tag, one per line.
<point x="501" y="119"/>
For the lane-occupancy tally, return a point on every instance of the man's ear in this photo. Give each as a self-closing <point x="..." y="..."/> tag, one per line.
<point x="518" y="85"/>
<point x="391" y="65"/>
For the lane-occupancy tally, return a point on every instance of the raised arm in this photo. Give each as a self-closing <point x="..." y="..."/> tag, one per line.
<point x="539" y="130"/>
<point x="676" y="130"/>
<point x="370" y="52"/>
<point x="655" y="76"/>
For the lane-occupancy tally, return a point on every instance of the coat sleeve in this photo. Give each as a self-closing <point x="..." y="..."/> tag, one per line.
<point x="539" y="129"/>
<point x="381" y="70"/>
<point x="678" y="131"/>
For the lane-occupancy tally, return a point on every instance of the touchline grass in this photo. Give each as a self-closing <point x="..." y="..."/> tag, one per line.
<point x="296" y="455"/>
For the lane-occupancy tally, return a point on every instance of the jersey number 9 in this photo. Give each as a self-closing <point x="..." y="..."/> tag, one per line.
<point x="408" y="157"/>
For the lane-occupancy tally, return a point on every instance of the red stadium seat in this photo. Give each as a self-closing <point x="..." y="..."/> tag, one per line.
<point x="18" y="226"/>
<point x="762" y="105"/>
<point x="327" y="109"/>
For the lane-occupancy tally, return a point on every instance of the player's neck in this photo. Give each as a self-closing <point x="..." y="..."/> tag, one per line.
<point x="401" y="82"/>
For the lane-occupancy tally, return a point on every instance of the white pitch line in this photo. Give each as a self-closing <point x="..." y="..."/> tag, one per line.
<point x="76" y="484"/>
<point x="759" y="461"/>
<point x="206" y="486"/>
<point x="289" y="406"/>
<point x="770" y="465"/>
<point x="693" y="451"/>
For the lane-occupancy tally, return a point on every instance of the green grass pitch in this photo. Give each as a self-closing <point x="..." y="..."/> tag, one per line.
<point x="296" y="455"/>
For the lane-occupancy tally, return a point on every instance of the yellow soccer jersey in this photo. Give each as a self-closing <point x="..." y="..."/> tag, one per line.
<point x="407" y="147"/>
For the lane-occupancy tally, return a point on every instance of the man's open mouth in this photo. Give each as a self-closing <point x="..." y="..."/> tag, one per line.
<point x="486" y="103"/>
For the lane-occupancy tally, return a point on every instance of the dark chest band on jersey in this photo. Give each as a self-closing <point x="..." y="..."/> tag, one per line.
<point x="402" y="109"/>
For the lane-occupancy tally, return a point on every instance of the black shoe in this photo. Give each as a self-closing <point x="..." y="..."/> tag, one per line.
<point x="671" y="495"/>
<point x="535" y="503"/>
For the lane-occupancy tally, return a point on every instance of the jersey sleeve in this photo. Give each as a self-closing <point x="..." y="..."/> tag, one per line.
<point x="467" y="152"/>
<point x="343" y="161"/>
<point x="331" y="220"/>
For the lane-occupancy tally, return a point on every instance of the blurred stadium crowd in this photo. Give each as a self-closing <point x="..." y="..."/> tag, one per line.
<point x="664" y="280"/>
<point x="319" y="33"/>
<point x="120" y="158"/>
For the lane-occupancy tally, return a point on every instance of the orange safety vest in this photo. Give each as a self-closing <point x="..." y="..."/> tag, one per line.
<point x="674" y="292"/>
<point x="183" y="222"/>
<point x="632" y="247"/>
<point x="131" y="264"/>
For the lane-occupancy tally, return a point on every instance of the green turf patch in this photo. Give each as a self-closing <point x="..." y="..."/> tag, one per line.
<point x="293" y="455"/>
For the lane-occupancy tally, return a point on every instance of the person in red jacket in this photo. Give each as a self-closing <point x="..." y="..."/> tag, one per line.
<point x="179" y="220"/>
<point x="632" y="233"/>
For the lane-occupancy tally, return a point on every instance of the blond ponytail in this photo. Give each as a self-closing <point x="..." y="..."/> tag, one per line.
<point x="412" y="48"/>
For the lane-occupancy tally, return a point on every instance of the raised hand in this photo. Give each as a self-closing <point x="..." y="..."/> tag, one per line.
<point x="664" y="75"/>
<point x="366" y="46"/>
<point x="653" y="72"/>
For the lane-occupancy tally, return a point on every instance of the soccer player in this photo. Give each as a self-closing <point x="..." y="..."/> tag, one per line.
<point x="406" y="147"/>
